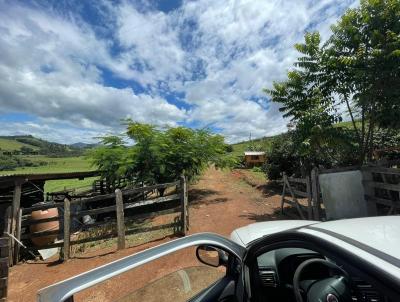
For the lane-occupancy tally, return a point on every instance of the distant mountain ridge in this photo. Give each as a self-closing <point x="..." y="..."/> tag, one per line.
<point x="28" y="144"/>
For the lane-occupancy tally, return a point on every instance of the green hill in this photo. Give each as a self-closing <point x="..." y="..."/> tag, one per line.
<point x="262" y="144"/>
<point x="11" y="144"/>
<point x="28" y="154"/>
<point x="30" y="145"/>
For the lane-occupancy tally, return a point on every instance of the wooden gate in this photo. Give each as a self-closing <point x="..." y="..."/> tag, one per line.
<point x="296" y="188"/>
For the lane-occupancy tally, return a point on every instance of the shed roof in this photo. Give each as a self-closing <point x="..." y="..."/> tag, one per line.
<point x="10" y="180"/>
<point x="254" y="153"/>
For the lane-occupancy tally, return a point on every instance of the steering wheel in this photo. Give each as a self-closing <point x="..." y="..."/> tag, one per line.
<point x="332" y="289"/>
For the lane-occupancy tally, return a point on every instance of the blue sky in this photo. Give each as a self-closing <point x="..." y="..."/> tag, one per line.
<point x="71" y="70"/>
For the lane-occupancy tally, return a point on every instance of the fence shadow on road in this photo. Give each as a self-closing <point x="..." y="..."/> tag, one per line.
<point x="275" y="215"/>
<point x="199" y="197"/>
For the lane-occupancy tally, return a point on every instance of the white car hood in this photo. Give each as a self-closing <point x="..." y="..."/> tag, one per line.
<point x="251" y="232"/>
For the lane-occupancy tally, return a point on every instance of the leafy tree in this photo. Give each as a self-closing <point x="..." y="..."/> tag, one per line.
<point x="159" y="156"/>
<point x="109" y="158"/>
<point x="358" y="67"/>
<point x="361" y="64"/>
<point x="311" y="111"/>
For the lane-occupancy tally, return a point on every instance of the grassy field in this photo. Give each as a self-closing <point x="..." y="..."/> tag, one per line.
<point x="55" y="165"/>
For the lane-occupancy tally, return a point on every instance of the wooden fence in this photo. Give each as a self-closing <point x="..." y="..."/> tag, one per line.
<point x="302" y="188"/>
<point x="382" y="188"/>
<point x="4" y="242"/>
<point x="297" y="188"/>
<point x="116" y="204"/>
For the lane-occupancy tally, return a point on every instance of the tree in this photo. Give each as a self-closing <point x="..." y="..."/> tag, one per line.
<point x="361" y="65"/>
<point x="109" y="158"/>
<point x="358" y="67"/>
<point x="160" y="155"/>
<point x="311" y="111"/>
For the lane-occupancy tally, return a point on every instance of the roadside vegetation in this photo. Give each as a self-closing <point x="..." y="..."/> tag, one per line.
<point x="159" y="155"/>
<point x="355" y="75"/>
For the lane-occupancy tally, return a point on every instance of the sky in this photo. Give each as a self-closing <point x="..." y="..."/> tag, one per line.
<point x="70" y="71"/>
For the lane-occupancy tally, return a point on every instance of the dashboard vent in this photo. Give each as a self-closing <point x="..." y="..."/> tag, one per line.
<point x="268" y="278"/>
<point x="365" y="292"/>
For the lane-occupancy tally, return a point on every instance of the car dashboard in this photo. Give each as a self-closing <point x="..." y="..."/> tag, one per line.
<point x="276" y="270"/>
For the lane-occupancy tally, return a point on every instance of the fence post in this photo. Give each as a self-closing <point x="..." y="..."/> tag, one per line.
<point x="315" y="193"/>
<point x="67" y="221"/>
<point x="15" y="210"/>
<point x="184" y="211"/>
<point x="119" y="202"/>
<point x="7" y="228"/>
<point x="309" y="198"/>
<point x="4" y="254"/>
<point x="18" y="236"/>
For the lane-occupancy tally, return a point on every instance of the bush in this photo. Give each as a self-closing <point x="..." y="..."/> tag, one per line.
<point x="282" y="157"/>
<point x="292" y="154"/>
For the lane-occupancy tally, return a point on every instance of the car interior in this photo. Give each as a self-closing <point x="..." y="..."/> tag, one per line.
<point x="275" y="274"/>
<point x="300" y="272"/>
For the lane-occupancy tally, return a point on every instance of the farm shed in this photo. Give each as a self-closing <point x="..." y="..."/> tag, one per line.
<point x="24" y="190"/>
<point x="254" y="158"/>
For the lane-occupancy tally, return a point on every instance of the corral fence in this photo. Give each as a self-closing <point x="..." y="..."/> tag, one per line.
<point x="382" y="189"/>
<point x="121" y="208"/>
<point x="4" y="243"/>
<point x="304" y="189"/>
<point x="378" y="185"/>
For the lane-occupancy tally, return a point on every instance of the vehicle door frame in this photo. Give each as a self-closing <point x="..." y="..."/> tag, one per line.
<point x="64" y="290"/>
<point x="371" y="273"/>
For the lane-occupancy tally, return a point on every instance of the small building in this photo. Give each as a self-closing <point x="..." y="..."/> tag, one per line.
<point x="254" y="158"/>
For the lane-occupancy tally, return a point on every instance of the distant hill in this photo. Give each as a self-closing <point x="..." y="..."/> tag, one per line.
<point x="263" y="144"/>
<point x="30" y="145"/>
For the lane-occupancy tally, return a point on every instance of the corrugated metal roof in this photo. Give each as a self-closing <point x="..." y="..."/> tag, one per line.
<point x="254" y="153"/>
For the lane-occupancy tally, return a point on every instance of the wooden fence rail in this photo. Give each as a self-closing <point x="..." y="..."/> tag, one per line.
<point x="295" y="188"/>
<point x="291" y="186"/>
<point x="382" y="188"/>
<point x="70" y="212"/>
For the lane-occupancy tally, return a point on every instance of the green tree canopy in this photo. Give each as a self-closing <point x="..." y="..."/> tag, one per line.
<point x="159" y="155"/>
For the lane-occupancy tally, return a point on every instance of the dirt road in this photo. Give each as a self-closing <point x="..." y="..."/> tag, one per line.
<point x="220" y="202"/>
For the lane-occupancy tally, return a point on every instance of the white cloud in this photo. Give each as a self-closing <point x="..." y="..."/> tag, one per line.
<point x="50" y="68"/>
<point x="218" y="54"/>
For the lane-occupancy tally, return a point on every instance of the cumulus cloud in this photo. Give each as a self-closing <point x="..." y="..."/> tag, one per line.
<point x="204" y="63"/>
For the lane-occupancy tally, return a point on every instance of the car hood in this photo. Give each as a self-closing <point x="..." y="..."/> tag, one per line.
<point x="244" y="235"/>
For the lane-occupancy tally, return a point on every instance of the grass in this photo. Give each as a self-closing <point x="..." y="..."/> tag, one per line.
<point x="58" y="165"/>
<point x="68" y="184"/>
<point x="11" y="145"/>
<point x="53" y="165"/>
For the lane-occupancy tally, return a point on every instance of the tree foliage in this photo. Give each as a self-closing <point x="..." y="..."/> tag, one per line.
<point x="159" y="156"/>
<point x="358" y="67"/>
